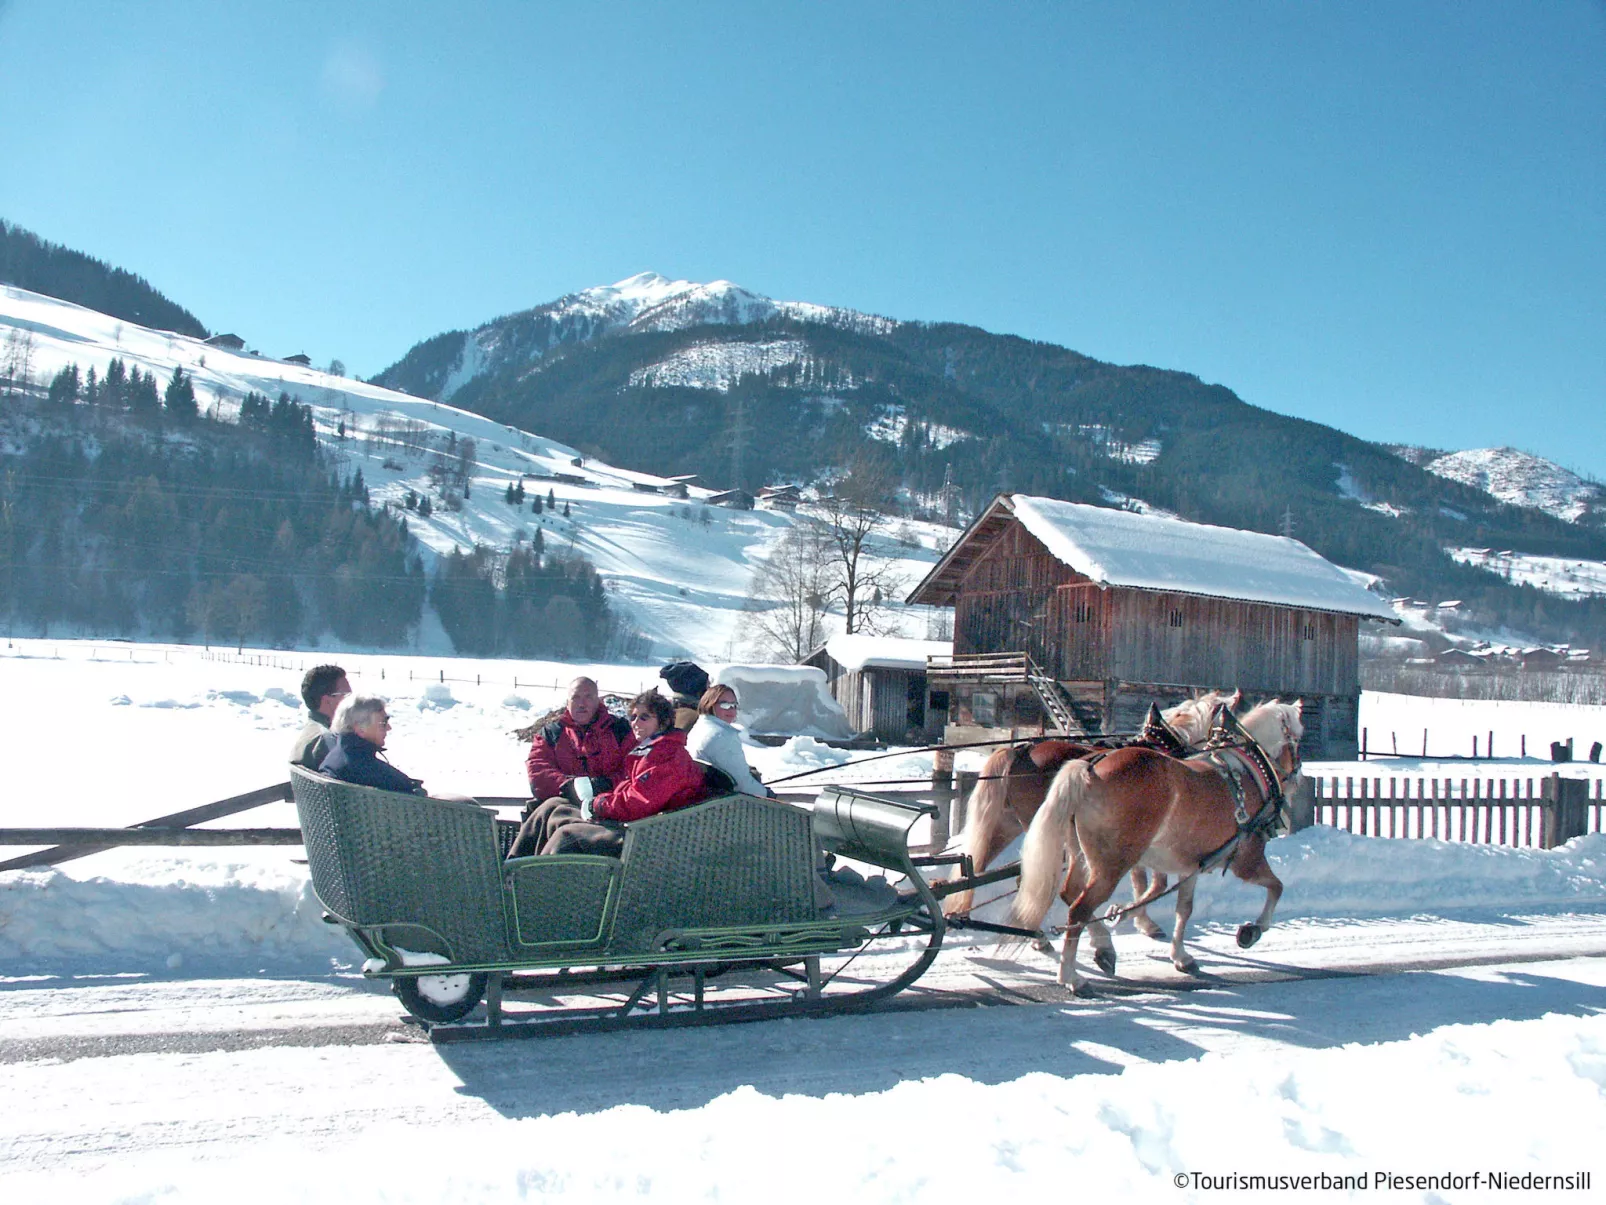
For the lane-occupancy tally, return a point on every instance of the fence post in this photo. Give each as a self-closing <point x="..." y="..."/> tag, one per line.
<point x="1302" y="804"/>
<point x="1565" y="812"/>
<point x="965" y="787"/>
<point x="942" y="792"/>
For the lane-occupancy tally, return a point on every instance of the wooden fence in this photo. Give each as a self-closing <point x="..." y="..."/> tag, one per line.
<point x="1538" y="813"/>
<point x="1522" y="812"/>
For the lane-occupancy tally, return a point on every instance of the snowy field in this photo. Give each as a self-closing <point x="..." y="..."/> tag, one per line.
<point x="1564" y="576"/>
<point x="177" y="1027"/>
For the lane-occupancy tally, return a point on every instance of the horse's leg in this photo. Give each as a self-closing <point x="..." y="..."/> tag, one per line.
<point x="1180" y="958"/>
<point x="1255" y="869"/>
<point x="1097" y="884"/>
<point x="984" y="820"/>
<point x="1070" y="889"/>
<point x="1140" y="892"/>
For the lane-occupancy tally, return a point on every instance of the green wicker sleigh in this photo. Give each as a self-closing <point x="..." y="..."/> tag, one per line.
<point x="421" y="886"/>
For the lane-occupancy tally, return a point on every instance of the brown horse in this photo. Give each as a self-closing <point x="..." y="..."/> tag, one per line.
<point x="1135" y="806"/>
<point x="1015" y="779"/>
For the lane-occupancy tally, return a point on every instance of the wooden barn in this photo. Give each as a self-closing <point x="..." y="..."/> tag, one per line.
<point x="1072" y="618"/>
<point x="880" y="682"/>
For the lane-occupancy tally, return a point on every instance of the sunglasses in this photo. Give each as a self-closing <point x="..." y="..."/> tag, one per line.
<point x="724" y="706"/>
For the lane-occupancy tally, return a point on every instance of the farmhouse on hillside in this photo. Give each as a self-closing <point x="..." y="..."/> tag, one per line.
<point x="880" y="682"/>
<point x="1072" y="618"/>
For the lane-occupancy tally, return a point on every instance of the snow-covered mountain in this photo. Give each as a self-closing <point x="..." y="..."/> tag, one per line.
<point x="1520" y="479"/>
<point x="440" y="367"/>
<point x="678" y="571"/>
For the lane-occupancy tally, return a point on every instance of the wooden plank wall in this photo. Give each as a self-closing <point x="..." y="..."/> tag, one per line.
<point x="1006" y="599"/>
<point x="1158" y="637"/>
<point x="1017" y="595"/>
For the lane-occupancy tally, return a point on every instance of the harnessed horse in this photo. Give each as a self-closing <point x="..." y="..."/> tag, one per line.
<point x="1015" y="780"/>
<point x="1136" y="807"/>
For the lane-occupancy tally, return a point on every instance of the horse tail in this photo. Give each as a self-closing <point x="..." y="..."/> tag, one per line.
<point x="1051" y="836"/>
<point x="984" y="815"/>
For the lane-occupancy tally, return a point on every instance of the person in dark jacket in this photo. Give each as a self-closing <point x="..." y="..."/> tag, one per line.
<point x="660" y="777"/>
<point x="322" y="688"/>
<point x="584" y="742"/>
<point x="688" y="680"/>
<point x="360" y="726"/>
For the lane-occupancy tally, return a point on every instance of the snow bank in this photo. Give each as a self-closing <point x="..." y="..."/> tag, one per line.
<point x="790" y="700"/>
<point x="214" y="917"/>
<point x="201" y="917"/>
<point x="1331" y="874"/>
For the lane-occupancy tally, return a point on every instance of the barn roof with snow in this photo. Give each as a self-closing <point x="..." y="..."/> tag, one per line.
<point x="1150" y="552"/>
<point x="858" y="652"/>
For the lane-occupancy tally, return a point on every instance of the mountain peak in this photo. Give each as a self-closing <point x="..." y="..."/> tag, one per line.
<point x="1520" y="479"/>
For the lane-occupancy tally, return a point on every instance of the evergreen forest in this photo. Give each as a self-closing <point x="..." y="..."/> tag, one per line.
<point x="29" y="262"/>
<point x="124" y="511"/>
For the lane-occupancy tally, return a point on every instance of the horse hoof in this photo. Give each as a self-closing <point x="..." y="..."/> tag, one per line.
<point x="1081" y="988"/>
<point x="1150" y="929"/>
<point x="1248" y="934"/>
<point x="1187" y="966"/>
<point x="1043" y="946"/>
<point x="1105" y="960"/>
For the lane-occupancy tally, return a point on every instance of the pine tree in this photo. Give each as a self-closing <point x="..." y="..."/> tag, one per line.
<point x="64" y="387"/>
<point x="180" y="397"/>
<point x="536" y="505"/>
<point x="142" y="396"/>
<point x="552" y="500"/>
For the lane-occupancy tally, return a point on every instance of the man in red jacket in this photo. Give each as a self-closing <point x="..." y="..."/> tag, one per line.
<point x="660" y="777"/>
<point x="584" y="742"/>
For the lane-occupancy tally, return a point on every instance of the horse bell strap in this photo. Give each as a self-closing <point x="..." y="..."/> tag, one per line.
<point x="1233" y="777"/>
<point x="1157" y="734"/>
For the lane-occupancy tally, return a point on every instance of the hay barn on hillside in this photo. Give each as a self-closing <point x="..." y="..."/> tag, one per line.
<point x="1072" y="618"/>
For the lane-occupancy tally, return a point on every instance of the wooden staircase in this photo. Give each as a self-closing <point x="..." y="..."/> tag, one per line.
<point x="1004" y="668"/>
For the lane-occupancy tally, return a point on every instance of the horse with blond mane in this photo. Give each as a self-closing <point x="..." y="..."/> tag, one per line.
<point x="1015" y="779"/>
<point x="1137" y="807"/>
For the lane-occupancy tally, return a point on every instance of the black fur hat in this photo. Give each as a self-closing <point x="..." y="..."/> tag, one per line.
<point x="685" y="678"/>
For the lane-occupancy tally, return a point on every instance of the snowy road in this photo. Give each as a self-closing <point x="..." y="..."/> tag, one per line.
<point x="131" y="1074"/>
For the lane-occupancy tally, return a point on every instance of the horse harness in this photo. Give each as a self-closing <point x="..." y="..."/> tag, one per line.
<point x="1234" y="754"/>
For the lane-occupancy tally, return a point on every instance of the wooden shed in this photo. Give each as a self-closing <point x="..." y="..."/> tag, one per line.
<point x="1072" y="618"/>
<point x="880" y="682"/>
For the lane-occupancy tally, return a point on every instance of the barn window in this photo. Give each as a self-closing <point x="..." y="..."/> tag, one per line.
<point x="984" y="706"/>
<point x="1176" y="619"/>
<point x="1308" y="631"/>
<point x="1081" y="612"/>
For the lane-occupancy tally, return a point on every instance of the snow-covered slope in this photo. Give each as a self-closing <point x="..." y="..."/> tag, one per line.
<point x="1520" y="479"/>
<point x="645" y="302"/>
<point x="678" y="571"/>
<point x="1568" y="577"/>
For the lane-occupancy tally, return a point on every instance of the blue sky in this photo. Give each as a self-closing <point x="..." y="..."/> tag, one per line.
<point x="1387" y="217"/>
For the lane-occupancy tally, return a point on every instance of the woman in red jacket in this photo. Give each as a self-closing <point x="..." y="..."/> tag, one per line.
<point x="660" y="776"/>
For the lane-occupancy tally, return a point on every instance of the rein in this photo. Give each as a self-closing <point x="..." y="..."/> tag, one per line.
<point x="1012" y="740"/>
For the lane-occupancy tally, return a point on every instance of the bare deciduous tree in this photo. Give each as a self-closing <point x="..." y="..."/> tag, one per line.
<point x="853" y="511"/>
<point x="791" y="591"/>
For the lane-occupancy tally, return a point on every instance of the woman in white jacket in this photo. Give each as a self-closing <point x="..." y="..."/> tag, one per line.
<point x="714" y="741"/>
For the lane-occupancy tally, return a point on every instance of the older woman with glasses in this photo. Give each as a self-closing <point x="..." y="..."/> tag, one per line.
<point x="715" y="741"/>
<point x="660" y="776"/>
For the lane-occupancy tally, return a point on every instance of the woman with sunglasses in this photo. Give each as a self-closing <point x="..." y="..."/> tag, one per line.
<point x="715" y="741"/>
<point x="660" y="776"/>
